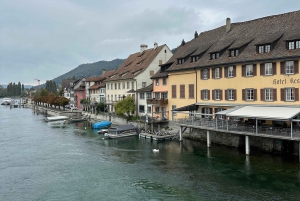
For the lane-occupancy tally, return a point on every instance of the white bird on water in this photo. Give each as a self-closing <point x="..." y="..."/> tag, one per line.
<point x="155" y="150"/>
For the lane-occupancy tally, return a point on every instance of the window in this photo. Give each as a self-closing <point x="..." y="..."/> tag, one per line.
<point x="207" y="111"/>
<point x="182" y="91"/>
<point x="293" y="44"/>
<point x="156" y="110"/>
<point x="164" y="95"/>
<point x="268" y="69"/>
<point x="215" y="55"/>
<point x="157" y="82"/>
<point x="142" y="96"/>
<point x="233" y="52"/>
<point x="173" y="91"/>
<point x="173" y="108"/>
<point x="264" y="48"/>
<point x="268" y="94"/>
<point x="116" y="86"/>
<point x="164" y="81"/>
<point x="143" y="84"/>
<point x="230" y="71"/>
<point x="119" y="85"/>
<point x="127" y="85"/>
<point x="249" y="70"/>
<point x="180" y="61"/>
<point x="194" y="58"/>
<point x="149" y="95"/>
<point x="289" y="67"/>
<point x="217" y="94"/>
<point x="220" y="110"/>
<point x="107" y="86"/>
<point x="230" y="94"/>
<point x="149" y="109"/>
<point x="249" y="94"/>
<point x="204" y="74"/>
<point x="191" y="91"/>
<point x="111" y="86"/>
<point x="123" y="85"/>
<point x="217" y="73"/>
<point x="141" y="108"/>
<point x="290" y="94"/>
<point x="157" y="95"/>
<point x="205" y="94"/>
<point x="132" y="85"/>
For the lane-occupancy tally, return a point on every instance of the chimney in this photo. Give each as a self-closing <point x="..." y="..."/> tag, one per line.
<point x="104" y="71"/>
<point x="228" y="23"/>
<point x="155" y="45"/>
<point x="143" y="47"/>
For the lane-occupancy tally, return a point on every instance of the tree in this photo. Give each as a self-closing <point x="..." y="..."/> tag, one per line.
<point x="100" y="107"/>
<point x="125" y="107"/>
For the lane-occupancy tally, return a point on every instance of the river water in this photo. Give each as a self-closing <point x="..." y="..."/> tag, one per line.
<point x="52" y="161"/>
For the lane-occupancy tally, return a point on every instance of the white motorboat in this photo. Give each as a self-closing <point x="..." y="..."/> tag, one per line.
<point x="6" y="101"/>
<point x="56" y="118"/>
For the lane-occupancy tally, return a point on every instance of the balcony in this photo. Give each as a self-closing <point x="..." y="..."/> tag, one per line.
<point x="157" y="101"/>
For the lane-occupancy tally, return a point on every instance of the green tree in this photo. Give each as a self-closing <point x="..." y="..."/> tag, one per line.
<point x="23" y="88"/>
<point x="125" y="107"/>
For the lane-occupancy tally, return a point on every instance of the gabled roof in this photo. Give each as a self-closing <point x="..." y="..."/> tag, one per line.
<point x="100" y="78"/>
<point x="275" y="29"/>
<point x="146" y="89"/>
<point x="95" y="86"/>
<point x="135" y="64"/>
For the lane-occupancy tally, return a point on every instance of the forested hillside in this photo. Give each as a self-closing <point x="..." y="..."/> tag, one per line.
<point x="88" y="70"/>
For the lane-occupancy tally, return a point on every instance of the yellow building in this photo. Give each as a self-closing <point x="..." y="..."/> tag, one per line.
<point x="247" y="63"/>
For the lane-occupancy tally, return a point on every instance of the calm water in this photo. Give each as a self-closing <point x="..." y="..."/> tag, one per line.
<point x="49" y="161"/>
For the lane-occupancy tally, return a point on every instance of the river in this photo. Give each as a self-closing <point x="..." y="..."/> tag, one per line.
<point x="49" y="161"/>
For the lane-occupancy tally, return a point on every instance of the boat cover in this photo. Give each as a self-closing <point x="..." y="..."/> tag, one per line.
<point x="102" y="124"/>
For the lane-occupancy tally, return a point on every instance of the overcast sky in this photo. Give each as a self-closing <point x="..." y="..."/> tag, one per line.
<point x="46" y="38"/>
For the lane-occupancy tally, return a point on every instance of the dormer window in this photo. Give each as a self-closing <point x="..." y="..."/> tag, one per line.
<point x="233" y="52"/>
<point x="180" y="61"/>
<point x="194" y="58"/>
<point x="264" y="48"/>
<point x="295" y="44"/>
<point x="215" y="55"/>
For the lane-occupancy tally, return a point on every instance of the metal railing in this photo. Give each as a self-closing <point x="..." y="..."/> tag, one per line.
<point x="220" y="124"/>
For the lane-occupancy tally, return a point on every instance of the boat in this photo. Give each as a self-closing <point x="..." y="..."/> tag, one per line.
<point x="78" y="119"/>
<point x="102" y="124"/>
<point x="56" y="118"/>
<point x="121" y="131"/>
<point x="6" y="101"/>
<point x="103" y="131"/>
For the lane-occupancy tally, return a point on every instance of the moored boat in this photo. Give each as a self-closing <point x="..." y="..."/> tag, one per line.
<point x="6" y="101"/>
<point x="121" y="131"/>
<point x="56" y="118"/>
<point x="102" y="124"/>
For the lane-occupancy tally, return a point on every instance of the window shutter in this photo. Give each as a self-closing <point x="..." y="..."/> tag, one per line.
<point x="226" y="94"/>
<point x="282" y="67"/>
<point x="243" y="70"/>
<point x="213" y="94"/>
<point x="254" y="69"/>
<point x="220" y="72"/>
<point x="234" y="71"/>
<point x="173" y="91"/>
<point x="221" y="94"/>
<point x="201" y="93"/>
<point x="244" y="94"/>
<point x="274" y="68"/>
<point x="274" y="94"/>
<point x="296" y="94"/>
<point x="226" y="72"/>
<point x="208" y="73"/>
<point x="296" y="66"/>
<point x="262" y="94"/>
<point x="282" y="94"/>
<point x="213" y="73"/>
<point x="262" y="72"/>
<point x="201" y="74"/>
<point x="208" y="94"/>
<point x="234" y="94"/>
<point x="210" y="111"/>
<point x="255" y="94"/>
<point x="202" y="111"/>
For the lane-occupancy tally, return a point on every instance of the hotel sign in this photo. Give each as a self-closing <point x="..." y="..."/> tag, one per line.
<point x="284" y="81"/>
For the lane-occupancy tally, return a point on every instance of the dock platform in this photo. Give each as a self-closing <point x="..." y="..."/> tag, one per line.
<point x="156" y="137"/>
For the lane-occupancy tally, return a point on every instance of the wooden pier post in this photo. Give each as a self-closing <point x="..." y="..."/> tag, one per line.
<point x="247" y="144"/>
<point x="208" y="139"/>
<point x="180" y="134"/>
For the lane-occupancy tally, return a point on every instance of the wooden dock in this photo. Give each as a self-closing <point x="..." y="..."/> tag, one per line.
<point x="157" y="137"/>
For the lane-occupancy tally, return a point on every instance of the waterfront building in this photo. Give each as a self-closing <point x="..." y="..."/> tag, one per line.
<point x="143" y="95"/>
<point x="252" y="63"/>
<point x="77" y="92"/>
<point x="135" y="73"/>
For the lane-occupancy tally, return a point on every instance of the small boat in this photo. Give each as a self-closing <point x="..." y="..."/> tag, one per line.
<point x="121" y="131"/>
<point x="6" y="101"/>
<point x="78" y="119"/>
<point x="57" y="118"/>
<point x="103" y="131"/>
<point x="102" y="124"/>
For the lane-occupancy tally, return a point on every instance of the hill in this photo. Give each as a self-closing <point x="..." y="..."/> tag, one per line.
<point x="88" y="70"/>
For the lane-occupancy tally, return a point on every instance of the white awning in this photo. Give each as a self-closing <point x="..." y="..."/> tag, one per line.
<point x="261" y="112"/>
<point x="225" y="112"/>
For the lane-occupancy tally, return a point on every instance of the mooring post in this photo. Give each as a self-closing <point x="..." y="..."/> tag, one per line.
<point x="247" y="143"/>
<point x="180" y="134"/>
<point x="208" y="139"/>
